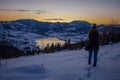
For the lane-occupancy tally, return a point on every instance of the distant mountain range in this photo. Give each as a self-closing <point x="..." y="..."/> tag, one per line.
<point x="31" y="25"/>
<point x="35" y="26"/>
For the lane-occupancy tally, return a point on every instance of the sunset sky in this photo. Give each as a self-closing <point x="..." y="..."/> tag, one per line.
<point x="95" y="11"/>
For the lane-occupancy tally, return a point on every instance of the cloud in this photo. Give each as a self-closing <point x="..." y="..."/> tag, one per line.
<point x="22" y="10"/>
<point x="54" y="19"/>
<point x="19" y="10"/>
<point x="40" y="11"/>
<point x="25" y="10"/>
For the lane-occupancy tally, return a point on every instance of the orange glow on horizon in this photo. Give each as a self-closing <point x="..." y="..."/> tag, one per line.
<point x="16" y="16"/>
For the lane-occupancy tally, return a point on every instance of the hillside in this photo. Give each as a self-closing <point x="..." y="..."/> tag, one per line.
<point x="65" y="65"/>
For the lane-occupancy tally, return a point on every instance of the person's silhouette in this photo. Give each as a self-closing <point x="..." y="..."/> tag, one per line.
<point x="94" y="44"/>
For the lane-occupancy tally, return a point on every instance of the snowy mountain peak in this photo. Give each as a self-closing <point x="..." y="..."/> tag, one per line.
<point x="78" y="22"/>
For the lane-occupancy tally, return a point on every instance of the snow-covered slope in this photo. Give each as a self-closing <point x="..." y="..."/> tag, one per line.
<point x="21" y="40"/>
<point x="64" y="65"/>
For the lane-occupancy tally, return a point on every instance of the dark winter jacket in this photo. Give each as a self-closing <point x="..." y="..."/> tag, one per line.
<point x="94" y="39"/>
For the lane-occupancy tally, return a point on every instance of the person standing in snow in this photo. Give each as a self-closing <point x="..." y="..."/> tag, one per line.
<point x="94" y="44"/>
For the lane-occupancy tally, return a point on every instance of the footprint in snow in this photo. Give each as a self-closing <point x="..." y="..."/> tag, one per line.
<point x="88" y="75"/>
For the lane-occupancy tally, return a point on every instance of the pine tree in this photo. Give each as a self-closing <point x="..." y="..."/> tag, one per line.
<point x="52" y="48"/>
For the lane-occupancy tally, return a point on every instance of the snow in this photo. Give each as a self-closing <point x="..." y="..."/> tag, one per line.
<point x="19" y="38"/>
<point x="74" y="37"/>
<point x="64" y="65"/>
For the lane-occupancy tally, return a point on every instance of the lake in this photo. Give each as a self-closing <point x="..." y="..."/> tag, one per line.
<point x="42" y="43"/>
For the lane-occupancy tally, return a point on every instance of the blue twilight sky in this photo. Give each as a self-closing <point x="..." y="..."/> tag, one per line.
<point x="97" y="11"/>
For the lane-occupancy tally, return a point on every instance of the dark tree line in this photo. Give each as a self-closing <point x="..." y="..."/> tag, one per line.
<point x="9" y="51"/>
<point x="67" y="45"/>
<point x="109" y="37"/>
